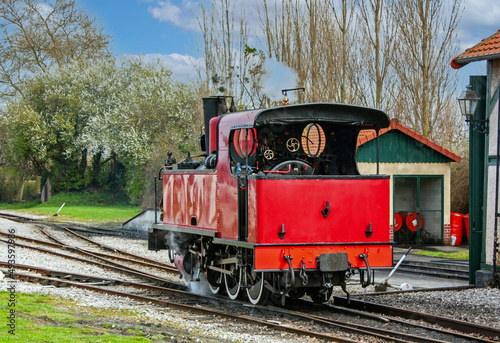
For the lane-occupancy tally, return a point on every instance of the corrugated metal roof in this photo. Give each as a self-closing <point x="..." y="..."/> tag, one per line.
<point x="368" y="135"/>
<point x="487" y="49"/>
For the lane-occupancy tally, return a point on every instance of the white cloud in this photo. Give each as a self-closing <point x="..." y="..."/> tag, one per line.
<point x="186" y="13"/>
<point x="183" y="14"/>
<point x="184" y="67"/>
<point x="479" y="21"/>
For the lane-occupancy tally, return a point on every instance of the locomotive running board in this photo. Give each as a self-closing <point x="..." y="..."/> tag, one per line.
<point x="200" y="232"/>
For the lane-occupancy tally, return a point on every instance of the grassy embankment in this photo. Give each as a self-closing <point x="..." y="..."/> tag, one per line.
<point x="462" y="254"/>
<point x="81" y="207"/>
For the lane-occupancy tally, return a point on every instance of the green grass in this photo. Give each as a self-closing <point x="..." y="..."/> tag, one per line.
<point x="43" y="319"/>
<point x="80" y="206"/>
<point x="458" y="255"/>
<point x="40" y="318"/>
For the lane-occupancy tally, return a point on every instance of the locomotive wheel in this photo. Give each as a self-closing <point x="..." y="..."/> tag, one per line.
<point x="297" y="293"/>
<point x="232" y="282"/>
<point x="257" y="292"/>
<point x="214" y="278"/>
<point x="319" y="297"/>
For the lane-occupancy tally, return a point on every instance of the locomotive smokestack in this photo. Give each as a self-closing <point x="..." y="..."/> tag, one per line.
<point x="212" y="107"/>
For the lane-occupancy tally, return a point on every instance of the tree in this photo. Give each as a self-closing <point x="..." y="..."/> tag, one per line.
<point x="99" y="125"/>
<point x="428" y="31"/>
<point x="39" y="36"/>
<point x="317" y="40"/>
<point x="232" y="66"/>
<point x="379" y="41"/>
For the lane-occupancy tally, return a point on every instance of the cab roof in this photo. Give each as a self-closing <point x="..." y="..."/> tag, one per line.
<point x="343" y="114"/>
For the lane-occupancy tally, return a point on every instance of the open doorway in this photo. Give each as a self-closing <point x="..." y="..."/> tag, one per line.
<point x="418" y="209"/>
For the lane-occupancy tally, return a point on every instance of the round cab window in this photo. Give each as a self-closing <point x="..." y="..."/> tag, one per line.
<point x="244" y="142"/>
<point x="313" y="140"/>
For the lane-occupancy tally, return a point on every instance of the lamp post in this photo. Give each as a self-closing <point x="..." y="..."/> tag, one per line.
<point x="468" y="102"/>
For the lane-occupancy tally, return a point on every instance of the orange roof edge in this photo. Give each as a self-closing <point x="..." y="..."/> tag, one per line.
<point x="486" y="49"/>
<point x="368" y="135"/>
<point x="455" y="65"/>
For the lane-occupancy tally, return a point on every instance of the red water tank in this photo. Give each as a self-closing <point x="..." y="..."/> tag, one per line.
<point x="410" y="219"/>
<point x="457" y="228"/>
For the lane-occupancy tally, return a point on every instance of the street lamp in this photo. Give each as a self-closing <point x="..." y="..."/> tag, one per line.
<point x="468" y="102"/>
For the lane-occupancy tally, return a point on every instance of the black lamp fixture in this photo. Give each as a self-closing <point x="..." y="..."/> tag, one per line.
<point x="468" y="103"/>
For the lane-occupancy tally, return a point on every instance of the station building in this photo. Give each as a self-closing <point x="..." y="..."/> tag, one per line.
<point x="420" y="182"/>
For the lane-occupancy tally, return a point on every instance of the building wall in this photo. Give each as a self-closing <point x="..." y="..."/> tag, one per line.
<point x="494" y="77"/>
<point x="438" y="169"/>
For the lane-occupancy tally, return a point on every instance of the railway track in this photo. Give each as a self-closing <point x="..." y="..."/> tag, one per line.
<point x="438" y="268"/>
<point x="373" y="327"/>
<point x="319" y="322"/>
<point x="94" y="258"/>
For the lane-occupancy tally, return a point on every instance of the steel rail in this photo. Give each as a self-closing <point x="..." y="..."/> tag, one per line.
<point x="359" y="329"/>
<point x="110" y="265"/>
<point x="459" y="335"/>
<point x="58" y="274"/>
<point x="448" y="273"/>
<point x="450" y="323"/>
<point x="351" y="327"/>
<point x="147" y="262"/>
<point x="64" y="246"/>
<point x="421" y="290"/>
<point x="117" y="250"/>
<point x="191" y="308"/>
<point x="50" y="237"/>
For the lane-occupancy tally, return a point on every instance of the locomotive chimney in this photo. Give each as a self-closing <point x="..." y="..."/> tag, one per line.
<point x="212" y="107"/>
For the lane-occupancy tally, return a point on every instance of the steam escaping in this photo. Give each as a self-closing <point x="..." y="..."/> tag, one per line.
<point x="173" y="241"/>
<point x="176" y="244"/>
<point x="278" y="76"/>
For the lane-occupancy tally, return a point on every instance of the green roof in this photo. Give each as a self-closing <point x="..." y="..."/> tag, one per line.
<point x="398" y="147"/>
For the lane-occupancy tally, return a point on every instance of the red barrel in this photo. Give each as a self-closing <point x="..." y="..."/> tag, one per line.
<point x="410" y="219"/>
<point x="466" y="222"/>
<point x="457" y="228"/>
<point x="398" y="221"/>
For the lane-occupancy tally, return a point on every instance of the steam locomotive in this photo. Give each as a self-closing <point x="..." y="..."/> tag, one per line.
<point x="277" y="207"/>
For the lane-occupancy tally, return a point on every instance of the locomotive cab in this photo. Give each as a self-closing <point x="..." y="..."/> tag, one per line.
<point x="278" y="207"/>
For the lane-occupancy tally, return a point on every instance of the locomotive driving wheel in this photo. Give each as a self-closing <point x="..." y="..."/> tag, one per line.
<point x="232" y="280"/>
<point x="215" y="281"/>
<point x="257" y="292"/>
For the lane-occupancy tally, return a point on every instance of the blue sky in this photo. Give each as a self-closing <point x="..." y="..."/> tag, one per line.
<point x="167" y="29"/>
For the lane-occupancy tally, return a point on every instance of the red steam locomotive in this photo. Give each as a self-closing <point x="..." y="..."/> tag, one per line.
<point x="278" y="206"/>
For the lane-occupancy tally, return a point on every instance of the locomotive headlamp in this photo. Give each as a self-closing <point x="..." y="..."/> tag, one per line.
<point x="286" y="100"/>
<point x="468" y="102"/>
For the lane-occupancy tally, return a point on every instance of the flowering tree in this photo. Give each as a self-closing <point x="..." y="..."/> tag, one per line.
<point x="99" y="125"/>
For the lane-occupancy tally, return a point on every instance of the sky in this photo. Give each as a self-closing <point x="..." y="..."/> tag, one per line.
<point x="168" y="30"/>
